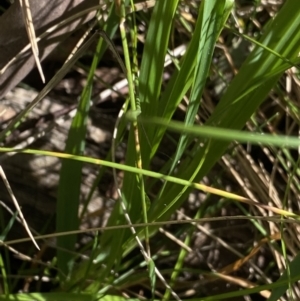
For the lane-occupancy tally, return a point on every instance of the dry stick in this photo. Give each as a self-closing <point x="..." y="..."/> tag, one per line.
<point x="13" y="198"/>
<point x="61" y="24"/>
<point x="25" y="257"/>
<point x="24" y="4"/>
<point x="49" y="31"/>
<point x="82" y="39"/>
<point x="141" y="6"/>
<point x="49" y="243"/>
<point x="277" y="219"/>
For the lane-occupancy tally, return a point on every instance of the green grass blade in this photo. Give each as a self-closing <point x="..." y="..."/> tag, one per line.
<point x="212" y="22"/>
<point x="233" y="111"/>
<point x="128" y="168"/>
<point x="4" y="276"/>
<point x="224" y="134"/>
<point x="112" y="243"/>
<point x="181" y="80"/>
<point x="70" y="175"/>
<point x="152" y="65"/>
<point x="152" y="276"/>
<point x="294" y="273"/>
<point x="72" y="172"/>
<point x="149" y="89"/>
<point x="8" y="227"/>
<point x="4" y="257"/>
<point x="70" y="184"/>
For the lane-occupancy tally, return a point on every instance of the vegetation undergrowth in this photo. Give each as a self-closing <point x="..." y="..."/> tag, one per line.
<point x="206" y="197"/>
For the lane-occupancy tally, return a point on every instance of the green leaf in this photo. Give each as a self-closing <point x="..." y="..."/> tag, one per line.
<point x="285" y="279"/>
<point x="152" y="276"/>
<point x="244" y="94"/>
<point x="70" y="176"/>
<point x="212" y="21"/>
<point x="152" y="66"/>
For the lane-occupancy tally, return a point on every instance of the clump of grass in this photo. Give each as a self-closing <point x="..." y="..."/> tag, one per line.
<point x="232" y="164"/>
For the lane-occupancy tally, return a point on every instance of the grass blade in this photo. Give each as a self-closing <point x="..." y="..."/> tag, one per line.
<point x="152" y="66"/>
<point x="234" y="110"/>
<point x="212" y="21"/>
<point x="70" y="175"/>
<point x="285" y="279"/>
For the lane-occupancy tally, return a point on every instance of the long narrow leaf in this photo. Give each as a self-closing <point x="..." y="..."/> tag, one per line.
<point x="152" y="66"/>
<point x="70" y="176"/>
<point x="212" y="23"/>
<point x="234" y="110"/>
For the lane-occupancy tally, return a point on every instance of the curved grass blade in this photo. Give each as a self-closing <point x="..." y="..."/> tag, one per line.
<point x="156" y="175"/>
<point x="70" y="184"/>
